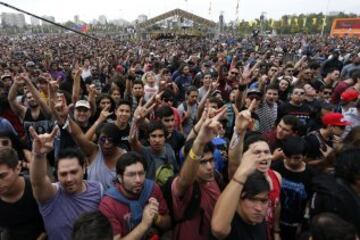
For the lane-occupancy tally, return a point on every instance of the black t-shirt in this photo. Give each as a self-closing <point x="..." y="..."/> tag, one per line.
<point x="302" y="112"/>
<point x="124" y="135"/>
<point x="244" y="231"/>
<point x="22" y="219"/>
<point x="295" y="192"/>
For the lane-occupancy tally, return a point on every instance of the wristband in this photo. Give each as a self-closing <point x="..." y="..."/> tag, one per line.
<point x="196" y="133"/>
<point x="193" y="156"/>
<point x="238" y="181"/>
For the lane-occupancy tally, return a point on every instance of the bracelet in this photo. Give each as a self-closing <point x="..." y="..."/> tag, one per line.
<point x="238" y="181"/>
<point x="196" y="133"/>
<point x="193" y="156"/>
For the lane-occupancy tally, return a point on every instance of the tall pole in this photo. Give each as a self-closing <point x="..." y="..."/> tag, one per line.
<point x="324" y="19"/>
<point x="48" y="21"/>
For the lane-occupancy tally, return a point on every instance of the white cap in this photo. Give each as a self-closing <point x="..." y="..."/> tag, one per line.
<point x="82" y="103"/>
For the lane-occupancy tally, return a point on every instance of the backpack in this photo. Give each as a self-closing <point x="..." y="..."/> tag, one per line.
<point x="136" y="206"/>
<point x="193" y="206"/>
<point x="163" y="173"/>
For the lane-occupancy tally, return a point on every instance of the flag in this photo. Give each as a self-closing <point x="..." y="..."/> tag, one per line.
<point x="314" y="20"/>
<point x="296" y="20"/>
<point x="272" y="23"/>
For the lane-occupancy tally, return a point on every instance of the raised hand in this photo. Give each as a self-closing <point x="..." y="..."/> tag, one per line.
<point x="105" y="113"/>
<point x="142" y="111"/>
<point x="250" y="161"/>
<point x="243" y="119"/>
<point x="210" y="126"/>
<point x="246" y="75"/>
<point x="43" y="143"/>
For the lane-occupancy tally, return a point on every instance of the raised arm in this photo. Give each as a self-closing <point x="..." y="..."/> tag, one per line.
<point x="139" y="116"/>
<point x="228" y="201"/>
<point x="242" y="123"/>
<point x="206" y="133"/>
<point x="42" y="187"/>
<point x="87" y="146"/>
<point x="76" y="84"/>
<point x="36" y="94"/>
<point x="16" y="107"/>
<point x="102" y="117"/>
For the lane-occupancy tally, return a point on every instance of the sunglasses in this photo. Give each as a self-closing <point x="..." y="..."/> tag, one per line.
<point x="103" y="139"/>
<point x="234" y="73"/>
<point x="327" y="93"/>
<point x="254" y="97"/>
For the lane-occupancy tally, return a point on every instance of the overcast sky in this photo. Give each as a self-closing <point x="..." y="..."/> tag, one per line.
<point x="88" y="10"/>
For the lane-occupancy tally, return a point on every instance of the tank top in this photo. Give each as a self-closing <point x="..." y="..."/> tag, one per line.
<point x="41" y="125"/>
<point x="274" y="198"/>
<point x="98" y="171"/>
<point x="22" y="219"/>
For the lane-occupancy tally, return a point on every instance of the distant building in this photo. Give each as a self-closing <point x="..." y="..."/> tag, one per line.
<point x="50" y="18"/>
<point x="13" y="19"/>
<point x="34" y="21"/>
<point x="142" y="18"/>
<point x="102" y="19"/>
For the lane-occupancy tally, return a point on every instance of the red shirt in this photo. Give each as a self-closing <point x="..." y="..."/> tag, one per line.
<point x="274" y="199"/>
<point x="189" y="230"/>
<point x="119" y="214"/>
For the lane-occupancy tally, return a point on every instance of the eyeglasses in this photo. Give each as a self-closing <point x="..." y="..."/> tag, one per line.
<point x="327" y="93"/>
<point x="234" y="73"/>
<point x="103" y="139"/>
<point x="257" y="98"/>
<point x="299" y="93"/>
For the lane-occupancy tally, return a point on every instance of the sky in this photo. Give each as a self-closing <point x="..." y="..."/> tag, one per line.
<point x="88" y="10"/>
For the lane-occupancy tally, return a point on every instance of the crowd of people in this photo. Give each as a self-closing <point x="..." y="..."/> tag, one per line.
<point x="251" y="138"/>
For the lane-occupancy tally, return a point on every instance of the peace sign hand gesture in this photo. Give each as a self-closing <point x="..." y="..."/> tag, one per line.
<point x="142" y="111"/>
<point x="210" y="126"/>
<point x="43" y="143"/>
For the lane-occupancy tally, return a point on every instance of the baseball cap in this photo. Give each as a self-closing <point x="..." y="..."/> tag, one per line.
<point x="6" y="76"/>
<point x="82" y="103"/>
<point x="349" y="95"/>
<point x="334" y="119"/>
<point x="254" y="91"/>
